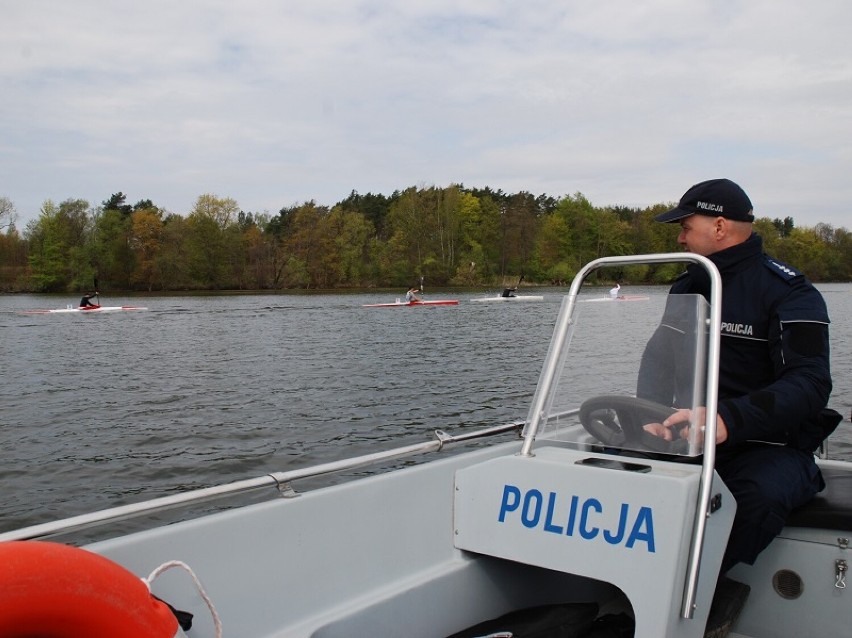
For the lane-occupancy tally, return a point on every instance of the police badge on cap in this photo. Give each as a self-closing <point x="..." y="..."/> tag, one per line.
<point x="716" y="198"/>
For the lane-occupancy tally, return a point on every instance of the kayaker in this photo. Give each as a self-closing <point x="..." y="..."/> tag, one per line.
<point x="411" y="295"/>
<point x="613" y="293"/>
<point x="774" y="377"/>
<point x="509" y="292"/>
<point x="86" y="302"/>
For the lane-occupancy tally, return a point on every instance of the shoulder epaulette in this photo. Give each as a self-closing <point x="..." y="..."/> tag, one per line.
<point x="780" y="268"/>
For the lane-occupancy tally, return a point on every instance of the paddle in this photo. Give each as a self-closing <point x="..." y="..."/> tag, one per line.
<point x="97" y="294"/>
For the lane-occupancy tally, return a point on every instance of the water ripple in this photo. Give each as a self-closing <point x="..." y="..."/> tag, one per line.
<point x="104" y="410"/>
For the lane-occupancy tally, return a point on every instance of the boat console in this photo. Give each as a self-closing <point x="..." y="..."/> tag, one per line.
<point x="608" y="500"/>
<point x="594" y="494"/>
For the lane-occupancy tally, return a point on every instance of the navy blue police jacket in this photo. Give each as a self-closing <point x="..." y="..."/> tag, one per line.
<point x="774" y="376"/>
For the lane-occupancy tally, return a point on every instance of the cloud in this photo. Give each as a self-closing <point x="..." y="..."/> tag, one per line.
<point x="275" y="103"/>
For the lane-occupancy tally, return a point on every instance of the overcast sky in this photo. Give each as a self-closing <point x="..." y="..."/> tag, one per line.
<point x="277" y="102"/>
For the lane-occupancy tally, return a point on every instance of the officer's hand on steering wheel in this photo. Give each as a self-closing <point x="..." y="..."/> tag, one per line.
<point x="665" y="429"/>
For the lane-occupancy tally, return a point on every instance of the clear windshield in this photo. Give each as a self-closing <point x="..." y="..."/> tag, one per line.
<point x="624" y="367"/>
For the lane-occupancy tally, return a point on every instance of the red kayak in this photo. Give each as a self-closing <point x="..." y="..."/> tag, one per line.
<point x="396" y="304"/>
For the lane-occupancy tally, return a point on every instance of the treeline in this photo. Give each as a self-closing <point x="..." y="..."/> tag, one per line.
<point x="448" y="236"/>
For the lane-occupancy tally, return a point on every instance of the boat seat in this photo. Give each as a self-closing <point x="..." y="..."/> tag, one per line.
<point x="831" y="508"/>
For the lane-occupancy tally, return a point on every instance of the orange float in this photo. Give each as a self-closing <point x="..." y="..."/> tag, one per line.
<point x="52" y="590"/>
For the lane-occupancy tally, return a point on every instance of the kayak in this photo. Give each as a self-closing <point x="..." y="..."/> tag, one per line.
<point x="89" y="310"/>
<point x="515" y="298"/>
<point x="398" y="303"/>
<point x="620" y="298"/>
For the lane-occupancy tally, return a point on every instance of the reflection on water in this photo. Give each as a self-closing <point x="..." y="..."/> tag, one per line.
<point x="102" y="410"/>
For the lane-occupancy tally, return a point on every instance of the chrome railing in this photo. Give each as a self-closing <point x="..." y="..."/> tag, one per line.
<point x="556" y="357"/>
<point x="278" y="480"/>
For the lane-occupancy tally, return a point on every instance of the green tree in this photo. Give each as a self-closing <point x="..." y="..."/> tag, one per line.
<point x="487" y="235"/>
<point x="207" y="242"/>
<point x="804" y="250"/>
<point x="374" y="208"/>
<point x="472" y="263"/>
<point x="553" y="251"/>
<point x="770" y="233"/>
<point x="351" y="234"/>
<point x="116" y="202"/>
<point x="58" y="241"/>
<point x="584" y="224"/>
<point x="111" y="248"/>
<point x="519" y="227"/>
<point x="309" y="245"/>
<point x="840" y="261"/>
<point x="172" y="261"/>
<point x="784" y="227"/>
<point x="407" y="249"/>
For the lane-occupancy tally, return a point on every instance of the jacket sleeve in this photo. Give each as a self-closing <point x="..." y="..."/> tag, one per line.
<point x="787" y="410"/>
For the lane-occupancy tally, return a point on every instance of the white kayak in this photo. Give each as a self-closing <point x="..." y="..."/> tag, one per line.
<point x="88" y="310"/>
<point x="619" y="298"/>
<point x="518" y="298"/>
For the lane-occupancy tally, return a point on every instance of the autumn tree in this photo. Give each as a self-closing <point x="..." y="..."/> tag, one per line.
<point x="8" y="215"/>
<point x="13" y="249"/>
<point x="309" y="247"/>
<point x="146" y="242"/>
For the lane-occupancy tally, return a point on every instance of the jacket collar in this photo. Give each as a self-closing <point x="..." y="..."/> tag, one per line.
<point x="727" y="261"/>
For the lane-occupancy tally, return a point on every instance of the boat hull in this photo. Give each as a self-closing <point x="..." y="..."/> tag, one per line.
<point x="359" y="558"/>
<point x="408" y="304"/>
<point x="515" y="299"/>
<point x="621" y="298"/>
<point x="85" y="311"/>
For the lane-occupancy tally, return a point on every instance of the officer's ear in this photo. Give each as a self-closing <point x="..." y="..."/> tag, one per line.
<point x="730" y="230"/>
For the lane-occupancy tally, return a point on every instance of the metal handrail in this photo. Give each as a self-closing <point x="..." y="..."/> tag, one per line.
<point x="555" y="357"/>
<point x="275" y="479"/>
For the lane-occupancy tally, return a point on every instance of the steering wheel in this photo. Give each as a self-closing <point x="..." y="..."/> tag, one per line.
<point x="617" y="420"/>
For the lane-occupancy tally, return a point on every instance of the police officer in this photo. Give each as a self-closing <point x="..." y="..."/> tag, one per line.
<point x="774" y="378"/>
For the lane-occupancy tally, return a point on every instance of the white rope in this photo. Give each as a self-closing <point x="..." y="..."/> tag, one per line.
<point x="176" y="563"/>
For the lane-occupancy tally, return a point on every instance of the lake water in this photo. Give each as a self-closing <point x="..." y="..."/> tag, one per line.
<point x="101" y="410"/>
